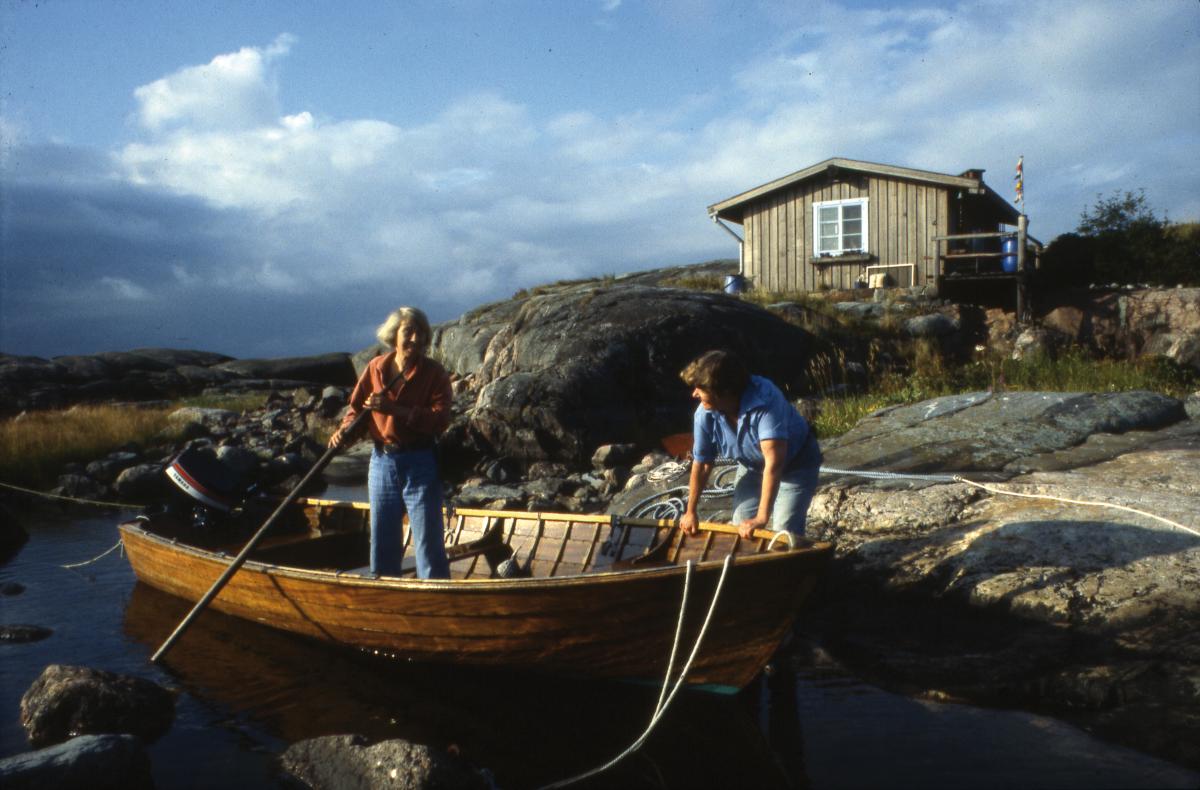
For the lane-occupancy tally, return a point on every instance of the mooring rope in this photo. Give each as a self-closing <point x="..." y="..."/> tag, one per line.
<point x="48" y="495"/>
<point x="669" y="506"/>
<point x="1114" y="506"/>
<point x="94" y="559"/>
<point x="661" y="709"/>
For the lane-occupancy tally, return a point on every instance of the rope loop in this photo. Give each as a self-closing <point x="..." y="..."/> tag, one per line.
<point x="661" y="709"/>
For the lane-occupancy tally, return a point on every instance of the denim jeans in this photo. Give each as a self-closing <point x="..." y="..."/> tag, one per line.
<point x="406" y="482"/>
<point x="796" y="489"/>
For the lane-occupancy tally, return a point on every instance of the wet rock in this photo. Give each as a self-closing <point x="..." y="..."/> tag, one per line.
<point x="89" y="762"/>
<point x="19" y="634"/>
<point x="66" y="701"/>
<point x="338" y="762"/>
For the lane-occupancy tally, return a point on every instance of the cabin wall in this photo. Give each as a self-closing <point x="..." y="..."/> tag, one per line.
<point x="903" y="219"/>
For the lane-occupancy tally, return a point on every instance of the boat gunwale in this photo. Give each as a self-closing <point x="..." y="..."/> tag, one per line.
<point x="346" y="578"/>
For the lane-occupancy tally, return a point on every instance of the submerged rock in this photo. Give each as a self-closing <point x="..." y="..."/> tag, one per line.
<point x="89" y="762"/>
<point x="66" y="701"/>
<point x="338" y="762"/>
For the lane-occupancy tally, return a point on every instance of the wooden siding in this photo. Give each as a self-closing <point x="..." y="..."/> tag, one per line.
<point x="903" y="219"/>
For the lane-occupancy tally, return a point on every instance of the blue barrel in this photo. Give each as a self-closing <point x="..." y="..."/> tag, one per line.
<point x="1009" y="261"/>
<point x="735" y="284"/>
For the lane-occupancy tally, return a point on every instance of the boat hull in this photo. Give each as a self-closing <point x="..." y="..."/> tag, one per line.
<point x="611" y="624"/>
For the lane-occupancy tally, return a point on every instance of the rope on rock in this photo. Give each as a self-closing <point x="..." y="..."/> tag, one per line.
<point x="994" y="490"/>
<point x="78" y="500"/>
<point x="661" y="709"/>
<point x="673" y="506"/>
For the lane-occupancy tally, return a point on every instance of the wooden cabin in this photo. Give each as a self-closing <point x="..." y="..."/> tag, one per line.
<point x="843" y="224"/>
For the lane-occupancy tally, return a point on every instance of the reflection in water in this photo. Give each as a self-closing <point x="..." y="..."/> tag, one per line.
<point x="527" y="729"/>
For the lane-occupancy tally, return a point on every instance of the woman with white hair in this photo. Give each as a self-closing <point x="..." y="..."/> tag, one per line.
<point x="409" y="396"/>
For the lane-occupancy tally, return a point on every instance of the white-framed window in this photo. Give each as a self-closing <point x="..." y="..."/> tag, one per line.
<point x="840" y="227"/>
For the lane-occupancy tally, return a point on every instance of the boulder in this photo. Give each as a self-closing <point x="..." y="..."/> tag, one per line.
<point x="142" y="483"/>
<point x="89" y="762"/>
<point x="345" y="762"/>
<point x="66" y="701"/>
<point x="573" y="370"/>
<point x="931" y="325"/>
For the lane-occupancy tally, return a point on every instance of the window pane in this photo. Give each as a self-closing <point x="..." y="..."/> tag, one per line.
<point x="852" y="242"/>
<point x="829" y="213"/>
<point x="829" y="229"/>
<point x="852" y="226"/>
<point x="829" y="245"/>
<point x="853" y="211"/>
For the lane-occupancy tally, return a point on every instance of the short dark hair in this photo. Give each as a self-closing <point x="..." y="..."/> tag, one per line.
<point x="719" y="372"/>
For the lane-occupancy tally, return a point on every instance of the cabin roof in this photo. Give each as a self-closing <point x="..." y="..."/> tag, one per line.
<point x="733" y="208"/>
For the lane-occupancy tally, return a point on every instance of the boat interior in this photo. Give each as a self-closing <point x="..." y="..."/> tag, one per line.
<point x="333" y="535"/>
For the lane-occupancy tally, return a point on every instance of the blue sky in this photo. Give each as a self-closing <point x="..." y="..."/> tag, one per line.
<point x="267" y="178"/>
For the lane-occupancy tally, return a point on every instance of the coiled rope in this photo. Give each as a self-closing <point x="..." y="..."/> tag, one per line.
<point x="79" y="500"/>
<point x="664" y="699"/>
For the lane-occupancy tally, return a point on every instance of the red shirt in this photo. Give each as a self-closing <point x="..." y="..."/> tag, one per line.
<point x="425" y="390"/>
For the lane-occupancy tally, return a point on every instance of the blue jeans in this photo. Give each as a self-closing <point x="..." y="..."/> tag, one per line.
<point x="406" y="482"/>
<point x="796" y="489"/>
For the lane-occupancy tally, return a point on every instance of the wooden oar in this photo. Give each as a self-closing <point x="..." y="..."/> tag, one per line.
<point x="262" y="531"/>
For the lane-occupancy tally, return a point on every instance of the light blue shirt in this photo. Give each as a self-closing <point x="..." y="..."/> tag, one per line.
<point x="763" y="413"/>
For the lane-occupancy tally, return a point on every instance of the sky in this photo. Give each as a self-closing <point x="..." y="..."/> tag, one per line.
<point x="267" y="178"/>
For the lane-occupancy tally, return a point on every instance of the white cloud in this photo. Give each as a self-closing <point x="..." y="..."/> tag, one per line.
<point x="233" y="90"/>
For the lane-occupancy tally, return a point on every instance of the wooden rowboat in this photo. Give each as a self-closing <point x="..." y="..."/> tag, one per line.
<point x="593" y="595"/>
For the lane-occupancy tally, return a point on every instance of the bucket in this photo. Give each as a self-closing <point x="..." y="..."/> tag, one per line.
<point x="1009" y="261"/>
<point x="735" y="284"/>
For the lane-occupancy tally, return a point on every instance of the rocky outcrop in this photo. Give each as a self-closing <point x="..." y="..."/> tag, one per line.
<point x="337" y="762"/>
<point x="1158" y="322"/>
<point x="556" y="375"/>
<point x="66" y="701"/>
<point x="155" y="373"/>
<point x="89" y="762"/>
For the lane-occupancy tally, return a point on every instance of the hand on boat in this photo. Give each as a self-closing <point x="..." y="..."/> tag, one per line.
<point x="689" y="523"/>
<point x="337" y="440"/>
<point x="747" y="527"/>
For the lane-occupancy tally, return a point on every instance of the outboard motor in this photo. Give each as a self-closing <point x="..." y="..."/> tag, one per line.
<point x="211" y="484"/>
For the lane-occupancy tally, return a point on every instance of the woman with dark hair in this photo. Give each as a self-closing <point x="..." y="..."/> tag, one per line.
<point x="747" y="418"/>
<point x="406" y="419"/>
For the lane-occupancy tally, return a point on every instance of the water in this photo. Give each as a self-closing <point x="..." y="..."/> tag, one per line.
<point x="248" y="691"/>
